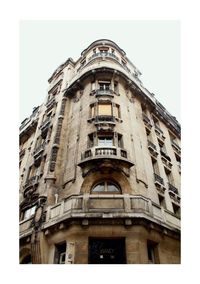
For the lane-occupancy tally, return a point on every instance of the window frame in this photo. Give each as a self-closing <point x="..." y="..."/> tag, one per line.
<point x="106" y="190"/>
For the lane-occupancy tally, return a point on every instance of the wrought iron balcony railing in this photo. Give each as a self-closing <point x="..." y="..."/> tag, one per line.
<point x="45" y="123"/>
<point x="106" y="92"/>
<point x="32" y="181"/>
<point x="105" y="118"/>
<point x="158" y="129"/>
<point x="150" y="144"/>
<point x="39" y="149"/>
<point x="158" y="179"/>
<point x="50" y="103"/>
<point x="172" y="188"/>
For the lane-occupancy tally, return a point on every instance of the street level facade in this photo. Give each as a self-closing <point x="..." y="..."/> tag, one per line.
<point x="99" y="168"/>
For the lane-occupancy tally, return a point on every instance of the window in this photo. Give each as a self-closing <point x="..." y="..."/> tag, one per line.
<point x="29" y="212"/>
<point x="116" y="87"/>
<point x="106" y="186"/>
<point x="161" y="201"/>
<point x="156" y="121"/>
<point x="104" y="109"/>
<point x="60" y="253"/>
<point x="91" y="140"/>
<point x="104" y="85"/>
<point x="169" y="176"/>
<point x="103" y="49"/>
<point x="152" y="250"/>
<point x="155" y="167"/>
<point x="120" y="141"/>
<point x="105" y="141"/>
<point x="176" y="209"/>
<point x="116" y="111"/>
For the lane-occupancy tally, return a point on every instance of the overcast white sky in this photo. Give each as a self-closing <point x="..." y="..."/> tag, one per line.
<point x="153" y="46"/>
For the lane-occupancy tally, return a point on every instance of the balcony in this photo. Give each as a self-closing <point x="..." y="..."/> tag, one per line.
<point x="32" y="182"/>
<point x="164" y="154"/>
<point x="50" y="103"/>
<point x="105" y="157"/>
<point x="147" y="122"/>
<point x="172" y="188"/>
<point x="105" y="122"/>
<point x="103" y="54"/>
<point x="159" y="133"/>
<point x="107" y="93"/>
<point x="45" y="125"/>
<point x="173" y="193"/>
<point x="166" y="159"/>
<point x="152" y="149"/>
<point x="159" y="183"/>
<point x="158" y="179"/>
<point x="38" y="153"/>
<point x="176" y="148"/>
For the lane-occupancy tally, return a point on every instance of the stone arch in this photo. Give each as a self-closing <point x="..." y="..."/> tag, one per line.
<point x="115" y="176"/>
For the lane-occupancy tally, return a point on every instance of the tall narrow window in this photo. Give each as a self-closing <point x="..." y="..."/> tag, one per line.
<point x="169" y="176"/>
<point x="90" y="140"/>
<point x="116" y="87"/>
<point x="104" y="109"/>
<point x="28" y="213"/>
<point x="60" y="253"/>
<point x="105" y="141"/>
<point x="155" y="166"/>
<point x="152" y="250"/>
<point x="161" y="201"/>
<point x="176" y="209"/>
<point x="120" y="141"/>
<point x="116" y="111"/>
<point x="104" y="86"/>
<point x="156" y="121"/>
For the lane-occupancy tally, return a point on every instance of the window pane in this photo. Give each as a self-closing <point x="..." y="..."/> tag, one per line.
<point x="112" y="187"/>
<point x="99" y="187"/>
<point x="27" y="214"/>
<point x="105" y="109"/>
<point x="105" y="142"/>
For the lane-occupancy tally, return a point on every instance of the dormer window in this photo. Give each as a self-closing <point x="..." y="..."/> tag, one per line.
<point x="104" y="85"/>
<point x="103" y="49"/>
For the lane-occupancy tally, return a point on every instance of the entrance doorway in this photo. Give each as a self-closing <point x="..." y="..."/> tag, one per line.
<point x="107" y="251"/>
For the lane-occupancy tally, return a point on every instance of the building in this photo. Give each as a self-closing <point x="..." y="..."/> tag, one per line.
<point x="99" y="168"/>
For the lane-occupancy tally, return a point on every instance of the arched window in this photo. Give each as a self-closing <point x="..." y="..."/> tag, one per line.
<point x="106" y="186"/>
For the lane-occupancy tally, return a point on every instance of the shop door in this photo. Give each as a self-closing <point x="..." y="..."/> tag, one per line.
<point x="107" y="251"/>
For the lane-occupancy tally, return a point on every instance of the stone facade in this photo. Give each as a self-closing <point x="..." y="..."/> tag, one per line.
<point x="99" y="168"/>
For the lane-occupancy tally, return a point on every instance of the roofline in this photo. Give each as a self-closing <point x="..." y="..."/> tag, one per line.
<point x="103" y="42"/>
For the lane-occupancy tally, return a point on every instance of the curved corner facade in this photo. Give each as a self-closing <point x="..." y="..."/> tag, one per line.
<point x="99" y="168"/>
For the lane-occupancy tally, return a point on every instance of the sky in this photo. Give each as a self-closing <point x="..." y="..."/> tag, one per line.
<point x="152" y="46"/>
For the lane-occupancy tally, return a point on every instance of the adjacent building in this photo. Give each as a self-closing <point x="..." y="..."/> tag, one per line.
<point x="99" y="168"/>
